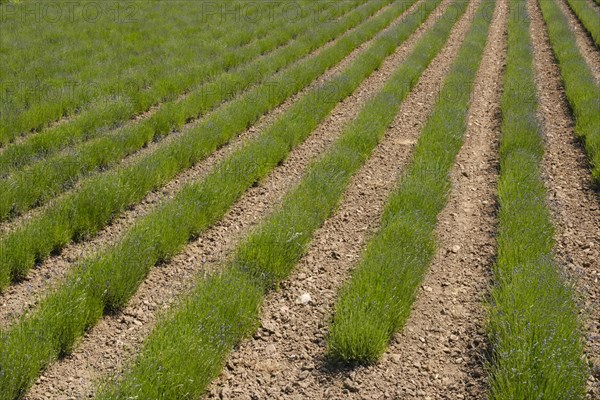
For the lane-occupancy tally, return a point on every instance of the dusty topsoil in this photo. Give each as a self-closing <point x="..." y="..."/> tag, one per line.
<point x="440" y="352"/>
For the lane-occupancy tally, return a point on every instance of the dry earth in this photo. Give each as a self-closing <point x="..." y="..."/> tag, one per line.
<point x="440" y="352"/>
<point x="25" y="295"/>
<point x="573" y="203"/>
<point x="437" y="355"/>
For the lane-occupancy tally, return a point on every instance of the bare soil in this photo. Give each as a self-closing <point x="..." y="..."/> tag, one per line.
<point x="285" y="359"/>
<point x="25" y="295"/>
<point x="107" y="346"/>
<point x="572" y="201"/>
<point x="440" y="352"/>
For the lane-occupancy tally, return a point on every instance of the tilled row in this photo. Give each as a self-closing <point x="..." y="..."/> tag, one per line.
<point x="376" y="301"/>
<point x="30" y="109"/>
<point x="533" y="325"/>
<point x="44" y="180"/>
<point x="572" y="201"/>
<point x="286" y="357"/>
<point x="581" y="88"/>
<point x="22" y="295"/>
<point x="117" y="338"/>
<point x="106" y="281"/>
<point x="94" y="89"/>
<point x="585" y="44"/>
<point x="79" y="215"/>
<point x="588" y="17"/>
<point x="100" y="121"/>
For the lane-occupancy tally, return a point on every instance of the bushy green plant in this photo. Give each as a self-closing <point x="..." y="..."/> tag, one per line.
<point x="534" y="332"/>
<point x="104" y="282"/>
<point x="376" y="301"/>
<point x="581" y="88"/>
<point x="120" y="188"/>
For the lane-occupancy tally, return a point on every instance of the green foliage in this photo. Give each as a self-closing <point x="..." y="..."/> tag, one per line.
<point x="537" y="349"/>
<point x="79" y="214"/>
<point x="588" y="17"/>
<point x="376" y="302"/>
<point x="105" y="281"/>
<point x="581" y="88"/>
<point x="127" y="49"/>
<point x="108" y="115"/>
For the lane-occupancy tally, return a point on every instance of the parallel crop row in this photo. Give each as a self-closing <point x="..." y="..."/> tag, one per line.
<point x="581" y="88"/>
<point x="29" y="106"/>
<point x="533" y="326"/>
<point x="588" y="17"/>
<point x="43" y="27"/>
<point x="100" y="121"/>
<point x="37" y="98"/>
<point x="80" y="214"/>
<point x="49" y="177"/>
<point x="104" y="282"/>
<point x="223" y="309"/>
<point x="377" y="300"/>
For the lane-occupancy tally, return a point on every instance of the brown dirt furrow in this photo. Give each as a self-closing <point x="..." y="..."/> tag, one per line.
<point x="595" y="6"/>
<point x="585" y="43"/>
<point x="8" y="226"/>
<point x="25" y="295"/>
<point x="285" y="358"/>
<point x="19" y="139"/>
<point x="571" y="198"/>
<point x="112" y="342"/>
<point x="143" y="115"/>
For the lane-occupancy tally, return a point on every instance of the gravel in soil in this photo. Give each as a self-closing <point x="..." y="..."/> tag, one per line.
<point x="25" y="295"/>
<point x="285" y="357"/>
<point x="107" y="347"/>
<point x="585" y="43"/>
<point x="571" y="199"/>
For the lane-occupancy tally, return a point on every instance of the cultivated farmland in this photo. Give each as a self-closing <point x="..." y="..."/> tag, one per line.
<point x="300" y="199"/>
